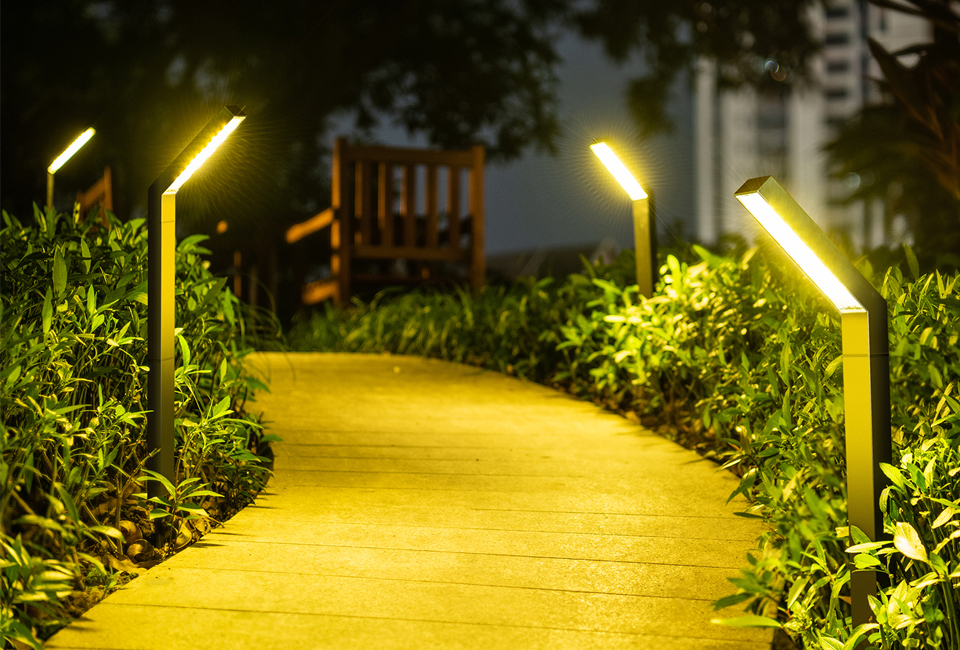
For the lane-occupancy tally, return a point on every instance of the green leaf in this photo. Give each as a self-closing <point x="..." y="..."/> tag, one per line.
<point x="85" y="251"/>
<point x="205" y="493"/>
<point x="944" y="517"/>
<point x="829" y="643"/>
<point x="227" y="304"/>
<point x="46" y="314"/>
<point x="795" y="592"/>
<point x="730" y="601"/>
<point x="893" y="474"/>
<point x="908" y="542"/>
<point x="911" y="261"/>
<point x="184" y="349"/>
<point x="864" y="561"/>
<point x="138" y="295"/>
<point x="11" y="375"/>
<point x="68" y="503"/>
<point x="866" y="546"/>
<point x="255" y="384"/>
<point x="833" y="365"/>
<point x="192" y="240"/>
<point x="59" y="272"/>
<point x="221" y="408"/>
<point x="109" y="531"/>
<point x="858" y="535"/>
<point x="155" y="476"/>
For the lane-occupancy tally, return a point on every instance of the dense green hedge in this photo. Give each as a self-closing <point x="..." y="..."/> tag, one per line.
<point x="740" y="358"/>
<point x="72" y="391"/>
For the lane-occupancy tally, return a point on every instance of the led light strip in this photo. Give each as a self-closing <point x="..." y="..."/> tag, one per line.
<point x="795" y="247"/>
<point x="72" y="149"/>
<point x="207" y="151"/>
<point x="612" y="163"/>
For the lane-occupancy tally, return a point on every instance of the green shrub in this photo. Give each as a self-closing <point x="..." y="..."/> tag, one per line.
<point x="513" y="329"/>
<point x="72" y="390"/>
<point x="741" y="361"/>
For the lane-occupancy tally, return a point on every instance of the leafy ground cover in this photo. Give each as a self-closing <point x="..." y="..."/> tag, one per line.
<point x="76" y="517"/>
<point x="739" y="358"/>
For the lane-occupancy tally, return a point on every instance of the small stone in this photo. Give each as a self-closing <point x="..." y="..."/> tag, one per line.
<point x="130" y="531"/>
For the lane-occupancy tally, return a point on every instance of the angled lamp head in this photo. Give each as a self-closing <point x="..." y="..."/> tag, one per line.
<point x="199" y="150"/>
<point x="161" y="281"/>
<point x="69" y="151"/>
<point x="803" y="240"/>
<point x="613" y="164"/>
<point x="865" y="344"/>
<point x="208" y="149"/>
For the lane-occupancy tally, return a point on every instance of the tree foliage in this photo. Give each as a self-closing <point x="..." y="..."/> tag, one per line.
<point x="149" y="73"/>
<point x="744" y="37"/>
<point x="908" y="146"/>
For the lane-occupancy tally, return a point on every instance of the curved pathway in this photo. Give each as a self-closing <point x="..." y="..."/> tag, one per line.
<point x="422" y="504"/>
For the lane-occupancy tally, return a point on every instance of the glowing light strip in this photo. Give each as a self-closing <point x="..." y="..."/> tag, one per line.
<point x="796" y="248"/>
<point x="612" y="163"/>
<point x="72" y="149"/>
<point x="207" y="151"/>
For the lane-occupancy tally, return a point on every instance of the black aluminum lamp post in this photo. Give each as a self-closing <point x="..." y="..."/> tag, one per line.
<point x="644" y="232"/>
<point x="866" y="364"/>
<point x="161" y="263"/>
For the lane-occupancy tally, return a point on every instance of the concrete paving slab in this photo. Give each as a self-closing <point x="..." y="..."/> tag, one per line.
<point x="660" y="580"/>
<point x="423" y="504"/>
<point x="179" y="628"/>
<point x="368" y="512"/>
<point x="619" y="548"/>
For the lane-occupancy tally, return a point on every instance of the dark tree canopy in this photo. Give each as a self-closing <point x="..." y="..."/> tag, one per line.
<point x="755" y="42"/>
<point x="148" y="74"/>
<point x="906" y="149"/>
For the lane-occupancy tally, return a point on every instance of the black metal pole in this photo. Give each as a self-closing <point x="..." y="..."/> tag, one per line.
<point x="161" y="278"/>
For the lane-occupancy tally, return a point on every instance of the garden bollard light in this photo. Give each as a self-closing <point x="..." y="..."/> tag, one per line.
<point x="161" y="262"/>
<point x="644" y="233"/>
<point x="64" y="157"/>
<point x="866" y="367"/>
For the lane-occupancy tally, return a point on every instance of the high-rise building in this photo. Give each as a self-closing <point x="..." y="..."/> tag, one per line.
<point x="740" y="134"/>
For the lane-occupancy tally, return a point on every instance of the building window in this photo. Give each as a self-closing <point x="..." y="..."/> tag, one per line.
<point x="773" y="120"/>
<point x="836" y="93"/>
<point x="834" y="13"/>
<point x="837" y="38"/>
<point x="835" y="122"/>
<point x="834" y="67"/>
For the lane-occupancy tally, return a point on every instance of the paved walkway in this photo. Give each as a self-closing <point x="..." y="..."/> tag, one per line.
<point x="421" y="504"/>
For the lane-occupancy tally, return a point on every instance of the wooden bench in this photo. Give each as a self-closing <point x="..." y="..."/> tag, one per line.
<point x="380" y="234"/>
<point x="99" y="194"/>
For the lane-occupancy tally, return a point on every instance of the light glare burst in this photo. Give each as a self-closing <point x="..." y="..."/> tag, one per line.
<point x="795" y="247"/>
<point x="207" y="151"/>
<point x="613" y="164"/>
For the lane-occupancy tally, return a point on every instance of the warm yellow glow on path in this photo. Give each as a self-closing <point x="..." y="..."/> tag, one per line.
<point x="419" y="503"/>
